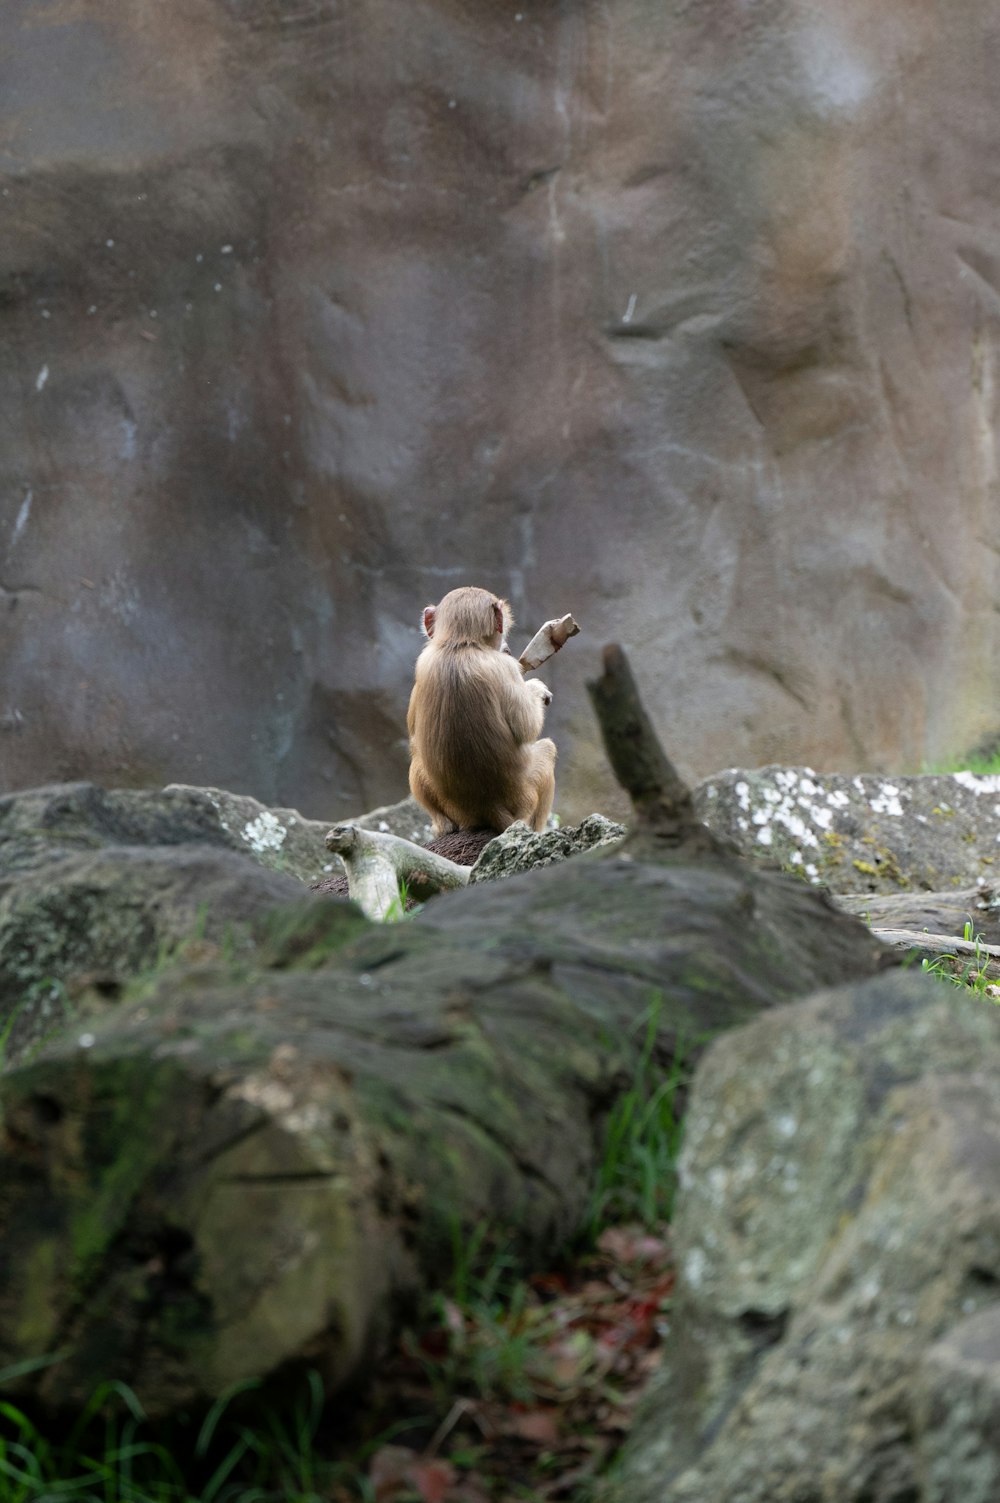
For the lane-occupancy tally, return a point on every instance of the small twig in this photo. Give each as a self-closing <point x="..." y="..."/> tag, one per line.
<point x="460" y="1408"/>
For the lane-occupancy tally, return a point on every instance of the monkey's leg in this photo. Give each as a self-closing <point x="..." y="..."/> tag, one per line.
<point x="542" y="781"/>
<point x="424" y="792"/>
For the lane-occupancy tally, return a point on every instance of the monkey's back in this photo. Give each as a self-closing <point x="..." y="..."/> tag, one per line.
<point x="460" y="731"/>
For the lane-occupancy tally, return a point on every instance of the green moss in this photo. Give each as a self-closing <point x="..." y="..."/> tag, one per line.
<point x="126" y="1127"/>
<point x="37" y="1324"/>
<point x="302" y="937"/>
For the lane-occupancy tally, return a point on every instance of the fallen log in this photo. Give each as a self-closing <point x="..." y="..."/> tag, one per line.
<point x="968" y="957"/>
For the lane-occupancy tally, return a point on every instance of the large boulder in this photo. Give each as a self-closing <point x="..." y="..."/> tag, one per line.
<point x="861" y="834"/>
<point x="834" y="1334"/>
<point x="694" y="305"/>
<point x="98" y="887"/>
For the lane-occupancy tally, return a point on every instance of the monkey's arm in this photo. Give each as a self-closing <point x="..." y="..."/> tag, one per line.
<point x="521" y="703"/>
<point x="377" y="863"/>
<point x="546" y="642"/>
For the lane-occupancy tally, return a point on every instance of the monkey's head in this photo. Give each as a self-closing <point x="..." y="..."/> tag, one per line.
<point x="469" y="617"/>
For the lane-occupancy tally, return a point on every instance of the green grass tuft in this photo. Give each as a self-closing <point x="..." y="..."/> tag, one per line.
<point x="637" y="1176"/>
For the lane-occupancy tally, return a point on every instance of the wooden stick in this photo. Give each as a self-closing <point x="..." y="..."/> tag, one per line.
<point x="376" y="864"/>
<point x="546" y="642"/>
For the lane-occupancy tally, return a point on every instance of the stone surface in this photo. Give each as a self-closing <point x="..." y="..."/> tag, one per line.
<point x="405" y="818"/>
<point x="39" y="824"/>
<point x="76" y="933"/>
<point x="958" y="1413"/>
<point x="975" y="908"/>
<point x="838" y="1216"/>
<point x="253" y="1164"/>
<point x="864" y="834"/>
<point x="520" y="849"/>
<point x="695" y="307"/>
<point x="98" y="887"/>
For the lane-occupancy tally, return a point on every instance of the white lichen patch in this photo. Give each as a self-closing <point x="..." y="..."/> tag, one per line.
<point x="718" y="1183"/>
<point x="695" y="1265"/>
<point x="307" y="1119"/>
<point x="216" y="804"/>
<point x="887" y="801"/>
<point x="265" y="1092"/>
<point x="976" y="783"/>
<point x="795" y="806"/>
<point x="265" y="833"/>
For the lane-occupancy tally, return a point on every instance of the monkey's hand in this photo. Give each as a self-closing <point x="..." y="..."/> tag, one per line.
<point x="542" y="690"/>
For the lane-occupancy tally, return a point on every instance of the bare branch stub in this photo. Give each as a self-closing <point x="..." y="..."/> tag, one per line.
<point x="661" y="798"/>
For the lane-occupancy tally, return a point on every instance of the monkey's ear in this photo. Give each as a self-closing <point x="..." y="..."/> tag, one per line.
<point x="430" y="611"/>
<point x="498" y="616"/>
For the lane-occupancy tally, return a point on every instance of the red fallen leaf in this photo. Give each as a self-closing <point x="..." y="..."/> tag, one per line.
<point x="596" y="1292"/>
<point x="633" y="1244"/>
<point x="432" y="1479"/>
<point x="541" y="1426"/>
<point x="550" y="1285"/>
<point x="389" y="1471"/>
<point x="468" y="1491"/>
<point x="396" y="1469"/>
<point x="435" y="1343"/>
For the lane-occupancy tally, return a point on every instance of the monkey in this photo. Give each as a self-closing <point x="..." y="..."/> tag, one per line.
<point x="475" y="758"/>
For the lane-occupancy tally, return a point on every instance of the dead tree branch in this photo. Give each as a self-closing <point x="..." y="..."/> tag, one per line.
<point x="661" y="798"/>
<point x="963" y="957"/>
<point x="376" y="864"/>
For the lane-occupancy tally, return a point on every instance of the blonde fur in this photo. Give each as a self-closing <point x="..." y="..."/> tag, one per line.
<point x="475" y="758"/>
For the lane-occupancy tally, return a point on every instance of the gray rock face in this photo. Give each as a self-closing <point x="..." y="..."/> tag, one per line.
<point x="838" y="1219"/>
<point x="861" y="834"/>
<point x="958" y="1408"/>
<point x="520" y="849"/>
<point x="405" y="819"/>
<point x="98" y="886"/>
<point x="40" y="823"/>
<point x="694" y="310"/>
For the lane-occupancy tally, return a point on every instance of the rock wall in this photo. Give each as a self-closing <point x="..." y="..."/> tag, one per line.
<point x="684" y="318"/>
